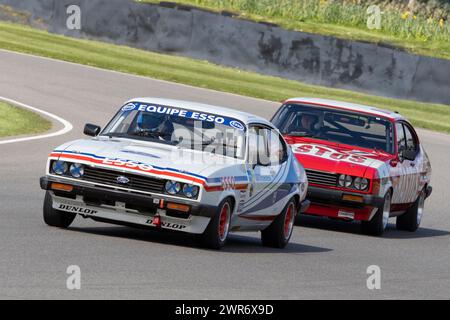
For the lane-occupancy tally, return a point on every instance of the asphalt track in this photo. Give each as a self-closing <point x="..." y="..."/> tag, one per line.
<point x="325" y="259"/>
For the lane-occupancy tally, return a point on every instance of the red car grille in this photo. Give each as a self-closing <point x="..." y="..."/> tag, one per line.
<point x="322" y="178"/>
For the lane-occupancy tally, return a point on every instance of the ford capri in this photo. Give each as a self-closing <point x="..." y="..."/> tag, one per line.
<point x="362" y="163"/>
<point x="181" y="166"/>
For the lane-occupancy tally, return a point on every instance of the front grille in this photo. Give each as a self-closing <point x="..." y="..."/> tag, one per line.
<point x="322" y="178"/>
<point x="137" y="182"/>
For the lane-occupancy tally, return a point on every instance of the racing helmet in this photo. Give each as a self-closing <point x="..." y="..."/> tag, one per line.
<point x="149" y="121"/>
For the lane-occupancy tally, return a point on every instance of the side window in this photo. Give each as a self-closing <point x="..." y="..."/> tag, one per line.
<point x="257" y="146"/>
<point x="401" y="139"/>
<point x="277" y="148"/>
<point x="265" y="146"/>
<point x="411" y="142"/>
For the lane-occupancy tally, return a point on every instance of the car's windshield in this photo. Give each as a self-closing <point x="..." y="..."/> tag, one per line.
<point x="181" y="127"/>
<point x="351" y="128"/>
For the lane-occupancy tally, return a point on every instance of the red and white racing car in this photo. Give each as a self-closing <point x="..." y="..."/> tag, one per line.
<point x="362" y="163"/>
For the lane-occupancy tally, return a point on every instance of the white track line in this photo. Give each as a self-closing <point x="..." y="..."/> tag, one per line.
<point x="67" y="125"/>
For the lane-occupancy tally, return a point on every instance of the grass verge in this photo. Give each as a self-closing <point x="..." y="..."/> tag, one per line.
<point x="16" y="121"/>
<point x="203" y="74"/>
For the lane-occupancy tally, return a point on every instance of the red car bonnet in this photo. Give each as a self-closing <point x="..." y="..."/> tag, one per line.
<point x="332" y="157"/>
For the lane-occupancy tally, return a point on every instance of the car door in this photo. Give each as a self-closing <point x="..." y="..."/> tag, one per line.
<point x="412" y="159"/>
<point x="261" y="173"/>
<point x="278" y="151"/>
<point x="405" y="175"/>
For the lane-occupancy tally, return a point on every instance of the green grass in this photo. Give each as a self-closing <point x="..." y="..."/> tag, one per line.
<point x="203" y="74"/>
<point x="16" y="121"/>
<point x="416" y="33"/>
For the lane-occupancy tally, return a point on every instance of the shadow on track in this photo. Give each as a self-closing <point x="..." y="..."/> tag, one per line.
<point x="235" y="243"/>
<point x="354" y="228"/>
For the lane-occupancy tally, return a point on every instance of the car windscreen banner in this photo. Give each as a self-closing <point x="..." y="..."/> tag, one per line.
<point x="184" y="113"/>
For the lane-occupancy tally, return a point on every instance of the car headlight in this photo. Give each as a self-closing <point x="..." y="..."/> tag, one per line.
<point x="345" y="180"/>
<point x="190" y="191"/>
<point x="172" y="187"/>
<point x="361" y="183"/>
<point x="76" y="170"/>
<point x="60" y="167"/>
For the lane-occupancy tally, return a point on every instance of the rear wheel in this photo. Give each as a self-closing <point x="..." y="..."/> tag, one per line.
<point x="56" y="218"/>
<point x="215" y="235"/>
<point x="410" y="221"/>
<point x="278" y="234"/>
<point x="377" y="225"/>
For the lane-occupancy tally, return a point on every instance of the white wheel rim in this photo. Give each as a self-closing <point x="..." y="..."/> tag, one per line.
<point x="420" y="208"/>
<point x="386" y="210"/>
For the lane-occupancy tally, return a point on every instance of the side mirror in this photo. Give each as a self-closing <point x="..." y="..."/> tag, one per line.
<point x="91" y="130"/>
<point x="409" y="154"/>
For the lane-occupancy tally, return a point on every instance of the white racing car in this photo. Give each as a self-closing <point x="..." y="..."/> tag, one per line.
<point x="181" y="166"/>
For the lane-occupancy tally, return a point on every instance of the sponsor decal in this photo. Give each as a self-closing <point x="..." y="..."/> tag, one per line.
<point x="190" y="114"/>
<point x="168" y="225"/>
<point x="127" y="164"/>
<point x="76" y="209"/>
<point x="237" y="125"/>
<point x="328" y="153"/>
<point x="128" y="107"/>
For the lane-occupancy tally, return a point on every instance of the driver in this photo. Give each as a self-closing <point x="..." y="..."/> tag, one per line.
<point x="155" y="124"/>
<point x="309" y="122"/>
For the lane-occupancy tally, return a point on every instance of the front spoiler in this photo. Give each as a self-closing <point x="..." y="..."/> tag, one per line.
<point x="194" y="224"/>
<point x="109" y="210"/>
<point x="334" y="197"/>
<point x="105" y="194"/>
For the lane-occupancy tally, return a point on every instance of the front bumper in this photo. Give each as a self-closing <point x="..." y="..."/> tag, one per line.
<point x="331" y="203"/>
<point x="336" y="197"/>
<point x="123" y="207"/>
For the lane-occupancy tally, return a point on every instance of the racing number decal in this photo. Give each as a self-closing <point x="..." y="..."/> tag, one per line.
<point x="228" y="183"/>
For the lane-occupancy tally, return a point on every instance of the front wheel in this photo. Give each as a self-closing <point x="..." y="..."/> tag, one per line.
<point x="377" y="225"/>
<point x="215" y="235"/>
<point x="278" y="234"/>
<point x="410" y="221"/>
<point x="56" y="218"/>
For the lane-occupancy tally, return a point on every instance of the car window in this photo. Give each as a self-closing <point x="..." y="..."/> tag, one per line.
<point x="401" y="140"/>
<point x="264" y="146"/>
<point x="277" y="148"/>
<point x="187" y="129"/>
<point x="411" y="143"/>
<point x="351" y="128"/>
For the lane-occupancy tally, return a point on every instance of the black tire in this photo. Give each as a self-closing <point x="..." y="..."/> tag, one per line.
<point x="56" y="218"/>
<point x="215" y="235"/>
<point x="377" y="225"/>
<point x="410" y="220"/>
<point x="278" y="234"/>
